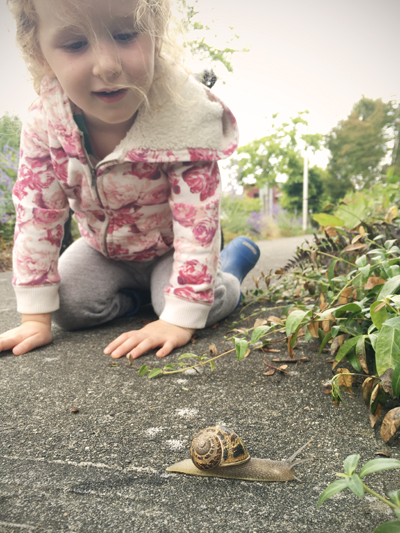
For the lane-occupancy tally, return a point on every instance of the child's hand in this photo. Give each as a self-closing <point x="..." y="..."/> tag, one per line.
<point x="34" y="331"/>
<point x="158" y="333"/>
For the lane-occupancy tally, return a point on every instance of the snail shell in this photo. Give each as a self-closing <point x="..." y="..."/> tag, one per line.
<point x="218" y="452"/>
<point x="217" y="446"/>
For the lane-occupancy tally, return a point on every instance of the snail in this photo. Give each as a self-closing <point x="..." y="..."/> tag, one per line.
<point x="219" y="452"/>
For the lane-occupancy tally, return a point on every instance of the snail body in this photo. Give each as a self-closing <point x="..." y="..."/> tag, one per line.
<point x="218" y="452"/>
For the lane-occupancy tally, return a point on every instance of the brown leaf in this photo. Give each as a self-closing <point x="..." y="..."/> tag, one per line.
<point x="247" y="353"/>
<point x="322" y="304"/>
<point x="354" y="247"/>
<point x="390" y="424"/>
<point x="313" y="329"/>
<point x="391" y="214"/>
<point x="375" y="392"/>
<point x="331" y="231"/>
<point x="345" y="295"/>
<point x="298" y="291"/>
<point x="269" y="372"/>
<point x="282" y="367"/>
<point x="386" y="381"/>
<point x="384" y="453"/>
<point x="362" y="359"/>
<point x="362" y="230"/>
<point x="367" y="387"/>
<point x="213" y="349"/>
<point x="373" y="418"/>
<point x="280" y="271"/>
<point x="275" y="320"/>
<point x="256" y="281"/>
<point x="313" y="257"/>
<point x="373" y="282"/>
<point x="290" y="348"/>
<point x="328" y="391"/>
<point x="326" y="326"/>
<point x="336" y="344"/>
<point x="335" y="403"/>
<point x="379" y="307"/>
<point x="259" y="322"/>
<point x="272" y="350"/>
<point x="215" y="325"/>
<point x="356" y="238"/>
<point x="75" y="410"/>
<point x="345" y="381"/>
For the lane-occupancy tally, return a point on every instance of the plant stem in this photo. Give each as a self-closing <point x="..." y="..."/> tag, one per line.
<point x="384" y="500"/>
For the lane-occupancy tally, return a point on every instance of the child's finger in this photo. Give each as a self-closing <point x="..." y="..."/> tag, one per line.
<point x="145" y="346"/>
<point x="166" y="349"/>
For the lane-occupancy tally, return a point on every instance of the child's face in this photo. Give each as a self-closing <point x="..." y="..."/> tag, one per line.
<point x="87" y="71"/>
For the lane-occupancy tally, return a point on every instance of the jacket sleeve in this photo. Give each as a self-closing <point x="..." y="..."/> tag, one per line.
<point x="41" y="211"/>
<point x="194" y="202"/>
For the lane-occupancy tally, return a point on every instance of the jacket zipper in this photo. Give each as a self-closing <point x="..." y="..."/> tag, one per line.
<point x="93" y="174"/>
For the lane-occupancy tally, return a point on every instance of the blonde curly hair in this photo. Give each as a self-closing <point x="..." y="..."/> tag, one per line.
<point x="151" y="16"/>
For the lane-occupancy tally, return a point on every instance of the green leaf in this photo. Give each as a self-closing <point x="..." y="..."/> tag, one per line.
<point x="394" y="495"/>
<point x="143" y="370"/>
<point x="155" y="372"/>
<point x="396" y="381"/>
<point x="388" y="527"/>
<point x="390" y="287"/>
<point x="346" y="347"/>
<point x="324" y="219"/>
<point x="353" y="360"/>
<point x="186" y="355"/>
<point x="355" y="485"/>
<point x="241" y="346"/>
<point x="350" y="464"/>
<point x="212" y="365"/>
<point x="380" y="316"/>
<point x="365" y="271"/>
<point x="372" y="339"/>
<point x="294" y="320"/>
<point x="332" y="489"/>
<point x="331" y="273"/>
<point x="258" y="333"/>
<point x="362" y="261"/>
<point x="387" y="347"/>
<point x="397" y="512"/>
<point x="340" y="311"/>
<point x="377" y="465"/>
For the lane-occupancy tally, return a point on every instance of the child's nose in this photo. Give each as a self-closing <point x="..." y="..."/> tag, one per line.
<point x="107" y="62"/>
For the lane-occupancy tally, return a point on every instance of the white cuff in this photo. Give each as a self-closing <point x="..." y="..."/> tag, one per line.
<point x="35" y="300"/>
<point x="185" y="314"/>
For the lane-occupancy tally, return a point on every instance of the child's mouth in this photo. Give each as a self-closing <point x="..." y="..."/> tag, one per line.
<point x="111" y="96"/>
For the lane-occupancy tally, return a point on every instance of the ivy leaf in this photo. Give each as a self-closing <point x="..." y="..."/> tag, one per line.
<point x="186" y="355"/>
<point x="143" y="370"/>
<point x="387" y="347"/>
<point x="350" y="464"/>
<point x="355" y="485"/>
<point x="332" y="489"/>
<point x="294" y="320"/>
<point x="380" y="316"/>
<point x="390" y="287"/>
<point x="258" y="333"/>
<point x="241" y="346"/>
<point x="346" y="347"/>
<point x="396" y="381"/>
<point x="377" y="465"/>
<point x="155" y="372"/>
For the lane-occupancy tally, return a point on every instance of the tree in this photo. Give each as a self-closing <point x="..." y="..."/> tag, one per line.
<point x="10" y="131"/>
<point x="360" y="144"/>
<point x="276" y="156"/>
<point x="292" y="189"/>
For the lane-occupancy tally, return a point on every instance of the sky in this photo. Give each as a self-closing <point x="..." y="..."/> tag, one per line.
<point x="319" y="55"/>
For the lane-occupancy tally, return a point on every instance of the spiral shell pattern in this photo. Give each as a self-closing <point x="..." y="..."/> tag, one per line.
<point x="217" y="446"/>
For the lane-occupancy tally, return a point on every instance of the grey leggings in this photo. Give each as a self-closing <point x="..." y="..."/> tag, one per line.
<point x="91" y="285"/>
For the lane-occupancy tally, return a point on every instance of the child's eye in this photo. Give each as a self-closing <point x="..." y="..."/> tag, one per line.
<point x="125" y="37"/>
<point x="76" y="46"/>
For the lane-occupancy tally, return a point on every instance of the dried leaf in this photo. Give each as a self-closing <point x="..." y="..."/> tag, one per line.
<point x="326" y="326"/>
<point x="215" y="325"/>
<point x="282" y="367"/>
<point x="383" y="453"/>
<point x="375" y="393"/>
<point x="336" y="344"/>
<point x="74" y="410"/>
<point x="290" y="348"/>
<point x="373" y="418"/>
<point x="280" y="271"/>
<point x="272" y="350"/>
<point x="356" y="238"/>
<point x="386" y="381"/>
<point x="345" y="295"/>
<point x="298" y="291"/>
<point x="322" y="303"/>
<point x="313" y="329"/>
<point x="391" y="214"/>
<point x="362" y="358"/>
<point x="247" y="353"/>
<point x="362" y="230"/>
<point x="275" y="320"/>
<point x="390" y="424"/>
<point x="373" y="282"/>
<point x="367" y="388"/>
<point x="213" y="349"/>
<point x="354" y="247"/>
<point x="270" y="372"/>
<point x="345" y="380"/>
<point x="256" y="281"/>
<point x="313" y="257"/>
<point x="331" y="231"/>
<point x="259" y="322"/>
<point x="379" y="307"/>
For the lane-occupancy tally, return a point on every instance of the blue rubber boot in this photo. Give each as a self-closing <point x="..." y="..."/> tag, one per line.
<point x="136" y="302"/>
<point x="239" y="257"/>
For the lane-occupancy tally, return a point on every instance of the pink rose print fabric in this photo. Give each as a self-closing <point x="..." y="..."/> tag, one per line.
<point x="134" y="206"/>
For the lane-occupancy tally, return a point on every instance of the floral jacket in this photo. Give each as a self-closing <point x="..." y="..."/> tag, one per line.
<point x="159" y="189"/>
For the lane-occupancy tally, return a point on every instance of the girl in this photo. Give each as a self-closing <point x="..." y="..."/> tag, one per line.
<point x="123" y="136"/>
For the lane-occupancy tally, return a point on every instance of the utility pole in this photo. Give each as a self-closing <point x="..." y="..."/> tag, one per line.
<point x="305" y="192"/>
